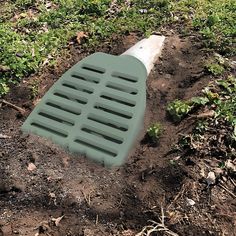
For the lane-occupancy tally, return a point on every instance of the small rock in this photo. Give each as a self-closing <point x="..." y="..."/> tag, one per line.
<point x="211" y="178"/>
<point x="31" y="166"/>
<point x="190" y="202"/>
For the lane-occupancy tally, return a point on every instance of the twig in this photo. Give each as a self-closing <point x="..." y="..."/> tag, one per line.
<point x="96" y="222"/>
<point x="87" y="197"/>
<point x="232" y="181"/>
<point x="180" y="193"/>
<point x="2" y="136"/>
<point x="21" y="110"/>
<point x="227" y="190"/>
<point x="206" y="114"/>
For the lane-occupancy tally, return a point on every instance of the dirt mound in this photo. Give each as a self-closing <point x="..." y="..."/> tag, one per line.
<point x="41" y="183"/>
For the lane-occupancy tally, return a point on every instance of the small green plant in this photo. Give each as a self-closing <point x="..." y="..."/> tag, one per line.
<point x="154" y="131"/>
<point x="34" y="87"/>
<point x="4" y="89"/>
<point x="178" y="109"/>
<point x="199" y="100"/>
<point x="201" y="126"/>
<point x="215" y="68"/>
<point x="211" y="96"/>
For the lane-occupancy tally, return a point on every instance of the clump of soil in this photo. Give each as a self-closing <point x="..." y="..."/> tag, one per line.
<point x="47" y="191"/>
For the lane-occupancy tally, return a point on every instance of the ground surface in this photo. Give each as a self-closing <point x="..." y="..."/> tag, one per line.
<point x="94" y="200"/>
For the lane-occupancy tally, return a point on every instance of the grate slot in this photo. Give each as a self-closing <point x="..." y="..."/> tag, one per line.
<point x="93" y="68"/>
<point x="117" y="99"/>
<point x="107" y="122"/>
<point x="52" y="131"/>
<point x="69" y="95"/>
<point x="76" y="87"/>
<point x="100" y="133"/>
<point x="125" y="77"/>
<point x="112" y="111"/>
<point x="54" y="118"/>
<point x="98" y="148"/>
<point x="61" y="107"/>
<point x="85" y="78"/>
<point x="58" y="94"/>
<point x="122" y="88"/>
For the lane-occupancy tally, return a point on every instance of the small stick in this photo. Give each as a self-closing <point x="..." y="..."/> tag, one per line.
<point x="21" y="110"/>
<point x="232" y="181"/>
<point x="2" y="136"/>
<point x="180" y="193"/>
<point x="96" y="222"/>
<point x="207" y="114"/>
<point x="227" y="190"/>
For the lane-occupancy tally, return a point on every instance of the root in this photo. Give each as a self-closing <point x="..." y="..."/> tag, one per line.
<point x="156" y="227"/>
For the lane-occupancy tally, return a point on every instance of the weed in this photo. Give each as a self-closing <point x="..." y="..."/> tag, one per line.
<point x="34" y="87"/>
<point x="199" y="100"/>
<point x="4" y="89"/>
<point x="212" y="96"/>
<point x="215" y="68"/>
<point x="154" y="131"/>
<point x="178" y="109"/>
<point x="201" y="126"/>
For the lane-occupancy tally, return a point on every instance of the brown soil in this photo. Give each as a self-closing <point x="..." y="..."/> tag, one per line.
<point x="94" y="200"/>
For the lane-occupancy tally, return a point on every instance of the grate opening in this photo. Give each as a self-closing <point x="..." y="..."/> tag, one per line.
<point x="63" y="108"/>
<point x="54" y="118"/>
<point x="93" y="68"/>
<point x="80" y="88"/>
<point x="125" y="77"/>
<point x="114" y="112"/>
<point x="88" y="144"/>
<point x="80" y="100"/>
<point x="100" y="133"/>
<point x="122" y="88"/>
<point x="85" y="78"/>
<point x="107" y="122"/>
<point x="112" y="98"/>
<point x="50" y="130"/>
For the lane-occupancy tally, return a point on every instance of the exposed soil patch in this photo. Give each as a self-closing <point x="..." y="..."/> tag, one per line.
<point x="99" y="201"/>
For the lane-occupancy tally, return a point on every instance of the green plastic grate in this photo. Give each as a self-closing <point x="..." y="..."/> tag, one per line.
<point x="96" y="108"/>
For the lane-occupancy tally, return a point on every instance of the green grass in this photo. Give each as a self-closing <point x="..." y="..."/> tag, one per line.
<point x="33" y="31"/>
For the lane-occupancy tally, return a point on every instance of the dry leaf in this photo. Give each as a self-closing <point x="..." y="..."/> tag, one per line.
<point x="81" y="35"/>
<point x="57" y="220"/>
<point x="31" y="167"/>
<point x="211" y="178"/>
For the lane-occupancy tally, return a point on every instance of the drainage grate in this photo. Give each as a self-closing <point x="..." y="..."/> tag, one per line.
<point x="96" y="108"/>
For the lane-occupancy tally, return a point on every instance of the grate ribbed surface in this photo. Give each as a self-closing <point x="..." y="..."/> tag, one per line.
<point x="96" y="108"/>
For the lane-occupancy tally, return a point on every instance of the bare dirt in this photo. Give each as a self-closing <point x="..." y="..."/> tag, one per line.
<point x="93" y="200"/>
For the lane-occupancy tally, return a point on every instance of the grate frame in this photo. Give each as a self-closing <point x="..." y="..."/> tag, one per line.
<point x="95" y="109"/>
